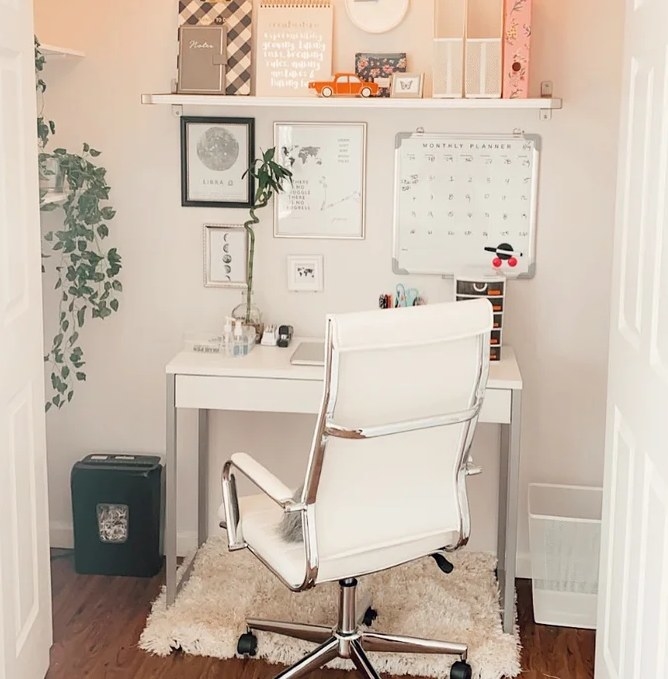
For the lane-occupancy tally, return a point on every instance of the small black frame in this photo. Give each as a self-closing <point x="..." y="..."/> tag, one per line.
<point x="212" y="174"/>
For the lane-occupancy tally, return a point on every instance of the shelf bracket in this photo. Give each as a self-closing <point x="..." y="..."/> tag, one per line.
<point x="177" y="110"/>
<point x="545" y="93"/>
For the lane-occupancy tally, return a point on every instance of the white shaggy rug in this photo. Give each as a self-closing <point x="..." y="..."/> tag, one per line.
<point x="415" y="599"/>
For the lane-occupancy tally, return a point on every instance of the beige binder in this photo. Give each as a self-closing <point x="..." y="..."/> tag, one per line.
<point x="202" y="59"/>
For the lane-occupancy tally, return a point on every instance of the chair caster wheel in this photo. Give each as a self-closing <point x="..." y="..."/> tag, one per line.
<point x="442" y="562"/>
<point x="369" y="616"/>
<point x="460" y="670"/>
<point x="247" y="644"/>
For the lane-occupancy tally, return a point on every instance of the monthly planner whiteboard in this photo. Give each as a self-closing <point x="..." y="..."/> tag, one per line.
<point x="465" y="201"/>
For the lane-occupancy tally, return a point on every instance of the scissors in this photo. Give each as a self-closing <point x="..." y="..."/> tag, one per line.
<point x="405" y="297"/>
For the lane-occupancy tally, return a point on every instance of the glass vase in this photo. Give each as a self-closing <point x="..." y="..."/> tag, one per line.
<point x="249" y="316"/>
<point x="51" y="175"/>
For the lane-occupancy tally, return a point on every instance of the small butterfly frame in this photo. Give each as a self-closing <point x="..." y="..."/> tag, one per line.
<point x="407" y="85"/>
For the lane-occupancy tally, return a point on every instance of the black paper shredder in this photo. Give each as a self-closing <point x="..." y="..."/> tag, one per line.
<point x="116" y="507"/>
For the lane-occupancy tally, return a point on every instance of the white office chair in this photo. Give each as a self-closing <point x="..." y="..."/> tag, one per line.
<point x="385" y="482"/>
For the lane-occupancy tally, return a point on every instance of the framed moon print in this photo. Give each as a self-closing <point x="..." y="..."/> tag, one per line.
<point x="225" y="256"/>
<point x="215" y="154"/>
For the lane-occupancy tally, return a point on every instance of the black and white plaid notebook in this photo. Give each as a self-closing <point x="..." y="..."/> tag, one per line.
<point x="237" y="17"/>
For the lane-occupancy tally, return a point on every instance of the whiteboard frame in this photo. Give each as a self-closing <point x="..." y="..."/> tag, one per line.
<point x="450" y="137"/>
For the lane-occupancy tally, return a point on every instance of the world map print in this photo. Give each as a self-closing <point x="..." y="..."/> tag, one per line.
<point x="324" y="197"/>
<point x="305" y="154"/>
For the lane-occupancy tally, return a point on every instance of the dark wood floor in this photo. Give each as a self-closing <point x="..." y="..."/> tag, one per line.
<point x="98" y="619"/>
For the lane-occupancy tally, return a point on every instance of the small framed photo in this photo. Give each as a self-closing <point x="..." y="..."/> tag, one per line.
<point x="225" y="256"/>
<point x="408" y="85"/>
<point x="305" y="273"/>
<point x="215" y="155"/>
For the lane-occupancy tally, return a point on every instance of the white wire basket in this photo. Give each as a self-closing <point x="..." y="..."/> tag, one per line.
<point x="565" y="539"/>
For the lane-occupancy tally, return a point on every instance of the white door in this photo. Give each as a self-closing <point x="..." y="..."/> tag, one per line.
<point x="25" y="588"/>
<point x="632" y="639"/>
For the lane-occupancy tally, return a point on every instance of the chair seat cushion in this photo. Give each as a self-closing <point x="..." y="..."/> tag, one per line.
<point x="260" y="527"/>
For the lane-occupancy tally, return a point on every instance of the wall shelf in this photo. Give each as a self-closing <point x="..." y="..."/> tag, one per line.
<point x="179" y="100"/>
<point x="52" y="51"/>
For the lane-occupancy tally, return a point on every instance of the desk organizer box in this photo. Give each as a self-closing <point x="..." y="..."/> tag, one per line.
<point x="493" y="288"/>
<point x="379" y="68"/>
<point x="481" y="48"/>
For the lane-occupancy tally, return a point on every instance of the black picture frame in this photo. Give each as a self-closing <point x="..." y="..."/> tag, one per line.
<point x="212" y="173"/>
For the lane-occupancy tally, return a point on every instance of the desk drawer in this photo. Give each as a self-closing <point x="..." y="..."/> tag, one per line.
<point x="257" y="394"/>
<point x="496" y="406"/>
<point x="248" y="393"/>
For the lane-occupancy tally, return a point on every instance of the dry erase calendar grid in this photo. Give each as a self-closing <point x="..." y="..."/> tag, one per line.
<point x="465" y="201"/>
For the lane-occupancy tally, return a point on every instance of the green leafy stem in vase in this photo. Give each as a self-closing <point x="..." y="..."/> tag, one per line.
<point x="270" y="177"/>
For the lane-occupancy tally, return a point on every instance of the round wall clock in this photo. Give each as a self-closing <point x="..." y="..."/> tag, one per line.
<point x="377" y="16"/>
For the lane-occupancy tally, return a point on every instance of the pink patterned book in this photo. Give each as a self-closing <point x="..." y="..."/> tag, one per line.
<point x="516" y="49"/>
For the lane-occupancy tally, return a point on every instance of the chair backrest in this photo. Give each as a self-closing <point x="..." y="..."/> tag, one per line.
<point x="402" y="393"/>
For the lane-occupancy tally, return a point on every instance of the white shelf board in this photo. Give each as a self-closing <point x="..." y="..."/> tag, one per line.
<point x="348" y="102"/>
<point x="50" y="51"/>
<point x="53" y="197"/>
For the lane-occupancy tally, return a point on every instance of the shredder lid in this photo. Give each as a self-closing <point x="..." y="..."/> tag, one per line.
<point x="119" y="462"/>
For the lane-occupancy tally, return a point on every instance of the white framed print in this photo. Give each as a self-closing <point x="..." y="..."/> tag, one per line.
<point x="326" y="196"/>
<point x="225" y="256"/>
<point x="305" y="273"/>
<point x="215" y="157"/>
<point x="407" y="85"/>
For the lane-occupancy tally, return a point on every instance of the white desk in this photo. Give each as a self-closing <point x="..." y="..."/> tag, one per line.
<point x="265" y="381"/>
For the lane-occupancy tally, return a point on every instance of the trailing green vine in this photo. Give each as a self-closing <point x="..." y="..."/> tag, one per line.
<point x="44" y="127"/>
<point x="86" y="272"/>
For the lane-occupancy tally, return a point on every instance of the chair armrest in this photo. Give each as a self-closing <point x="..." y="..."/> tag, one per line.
<point x="262" y="478"/>
<point x="471" y="467"/>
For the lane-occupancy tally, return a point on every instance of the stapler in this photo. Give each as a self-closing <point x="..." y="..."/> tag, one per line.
<point x="284" y="335"/>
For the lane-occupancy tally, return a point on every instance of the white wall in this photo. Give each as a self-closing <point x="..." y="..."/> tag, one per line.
<point x="557" y="322"/>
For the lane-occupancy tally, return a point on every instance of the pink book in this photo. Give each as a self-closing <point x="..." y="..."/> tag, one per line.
<point x="516" y="49"/>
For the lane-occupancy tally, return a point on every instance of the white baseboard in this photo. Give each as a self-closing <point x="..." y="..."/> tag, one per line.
<point x="61" y="536"/>
<point x="524" y="565"/>
<point x="186" y="541"/>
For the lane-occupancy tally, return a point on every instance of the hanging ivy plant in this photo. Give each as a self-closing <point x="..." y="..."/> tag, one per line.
<point x="86" y="272"/>
<point x="44" y="127"/>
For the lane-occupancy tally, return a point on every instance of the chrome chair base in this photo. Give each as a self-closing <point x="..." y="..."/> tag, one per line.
<point x="349" y="639"/>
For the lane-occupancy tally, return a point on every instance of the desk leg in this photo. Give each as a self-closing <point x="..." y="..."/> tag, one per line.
<point x="509" y="478"/>
<point x="203" y="477"/>
<point x="170" y="493"/>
